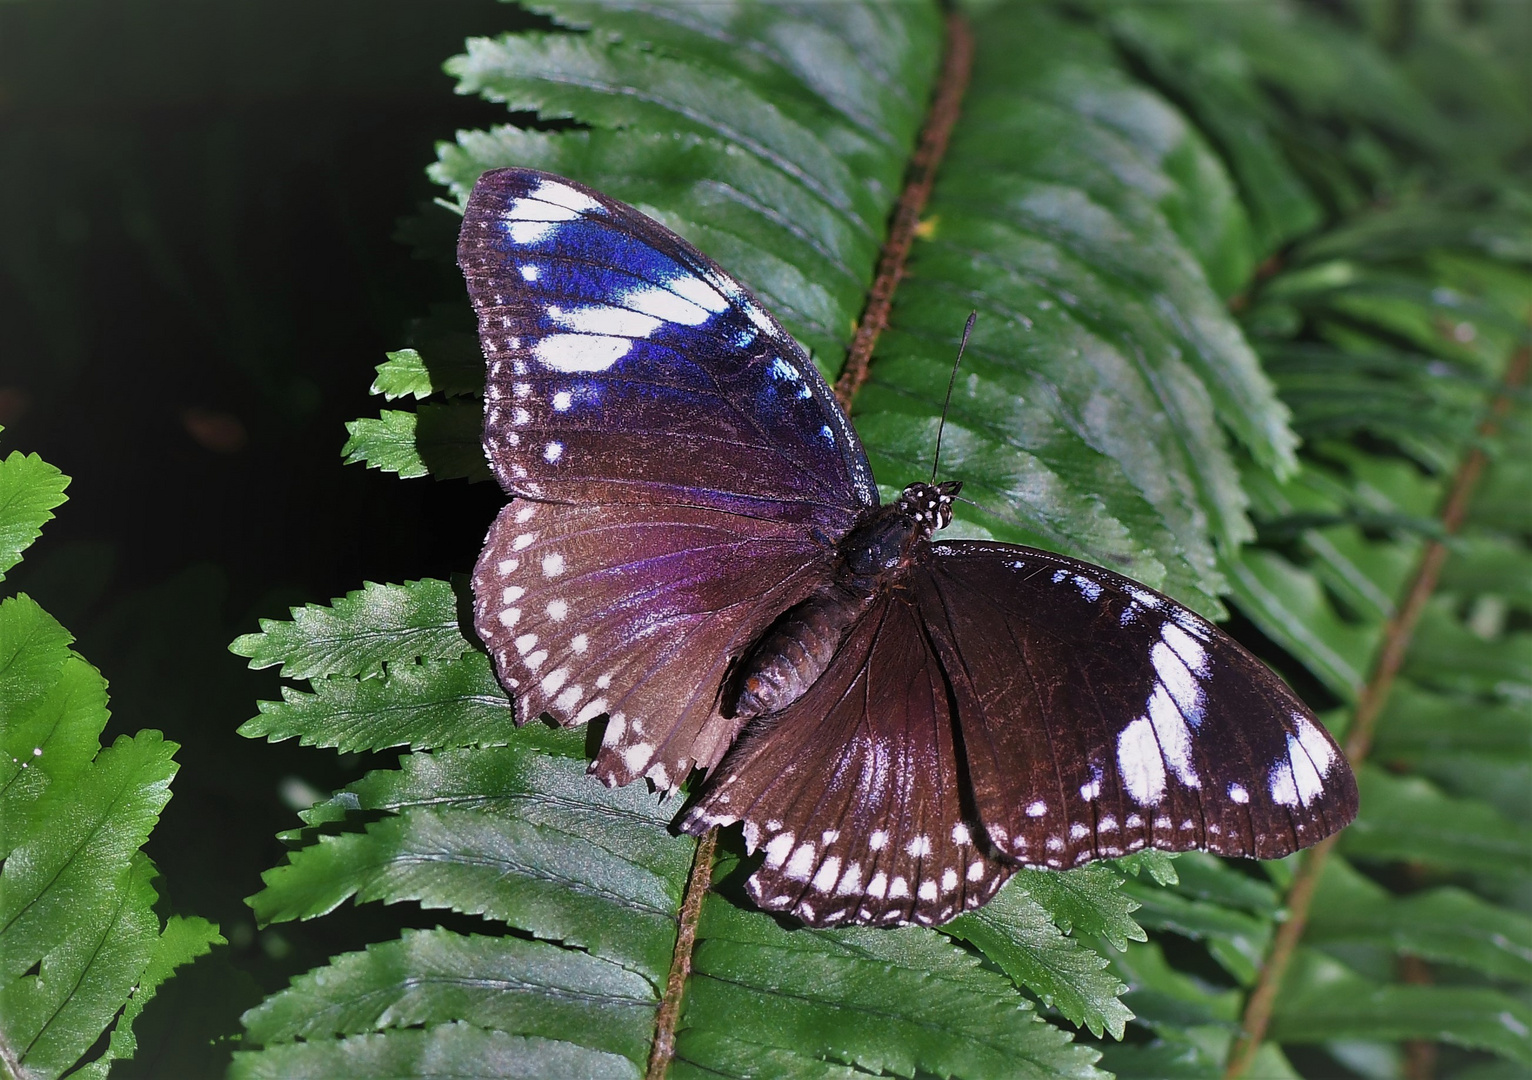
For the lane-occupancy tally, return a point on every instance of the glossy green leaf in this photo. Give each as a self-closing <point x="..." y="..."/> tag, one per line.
<point x="422" y="705"/>
<point x="1409" y="819"/>
<point x="1236" y="939"/>
<point x="30" y="489"/>
<point x="1446" y="925"/>
<point x="1017" y="933"/>
<point x="1323" y="1000"/>
<point x="1289" y="605"/>
<point x="1447" y="654"/>
<point x="528" y="988"/>
<point x="891" y="1000"/>
<point x="438" y="1050"/>
<point x="360" y="632"/>
<point x="438" y="439"/>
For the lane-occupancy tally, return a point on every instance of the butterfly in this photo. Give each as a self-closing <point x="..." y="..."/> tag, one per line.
<point x="696" y="550"/>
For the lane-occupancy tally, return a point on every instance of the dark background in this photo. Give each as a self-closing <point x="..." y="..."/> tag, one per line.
<point x="203" y="254"/>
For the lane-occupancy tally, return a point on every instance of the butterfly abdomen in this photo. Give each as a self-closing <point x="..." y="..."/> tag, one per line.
<point x="794" y="652"/>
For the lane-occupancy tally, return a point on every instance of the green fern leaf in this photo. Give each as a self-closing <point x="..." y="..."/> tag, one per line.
<point x="358" y="634"/>
<point x="81" y="948"/>
<point x="1324" y="1000"/>
<point x="30" y="489"/>
<point x="1408" y="818"/>
<point x="1448" y="925"/>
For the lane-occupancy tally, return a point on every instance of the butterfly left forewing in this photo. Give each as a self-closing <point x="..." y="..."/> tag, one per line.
<point x="625" y="366"/>
<point x="853" y="792"/>
<point x="1098" y="717"/>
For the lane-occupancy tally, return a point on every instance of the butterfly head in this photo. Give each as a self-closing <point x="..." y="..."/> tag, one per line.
<point x="930" y="505"/>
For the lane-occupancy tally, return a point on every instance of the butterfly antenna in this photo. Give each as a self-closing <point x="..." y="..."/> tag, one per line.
<point x="941" y="427"/>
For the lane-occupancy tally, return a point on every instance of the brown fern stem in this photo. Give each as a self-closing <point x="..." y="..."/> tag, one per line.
<point x="953" y="81"/>
<point x="943" y="114"/>
<point x="1396" y="642"/>
<point x="697" y="884"/>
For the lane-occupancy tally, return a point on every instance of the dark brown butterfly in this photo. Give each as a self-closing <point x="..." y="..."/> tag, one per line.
<point x="696" y="550"/>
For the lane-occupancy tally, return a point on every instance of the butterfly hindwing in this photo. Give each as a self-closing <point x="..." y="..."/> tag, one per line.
<point x="853" y="791"/>
<point x="633" y="611"/>
<point x="624" y="365"/>
<point x="1098" y="717"/>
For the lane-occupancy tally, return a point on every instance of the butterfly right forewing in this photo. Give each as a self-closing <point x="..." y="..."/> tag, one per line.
<point x="1098" y="717"/>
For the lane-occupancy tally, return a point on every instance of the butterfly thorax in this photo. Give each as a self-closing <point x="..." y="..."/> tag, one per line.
<point x="795" y="650"/>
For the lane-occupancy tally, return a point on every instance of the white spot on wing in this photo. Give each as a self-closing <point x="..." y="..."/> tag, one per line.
<point x="636" y="756"/>
<point x="1238" y="794"/>
<point x="552" y="452"/>
<point x="927" y="890"/>
<point x="920" y="845"/>
<point x="1284" y="792"/>
<point x="898" y="888"/>
<point x="579" y="643"/>
<point x="698" y="292"/>
<point x="553" y="565"/>
<point x="829" y="871"/>
<point x="801" y="864"/>
<point x="593" y="708"/>
<point x="529" y="272"/>
<point x="507" y="566"/>
<point x="601" y="319"/>
<point x="570" y="697"/>
<point x="1037" y="809"/>
<point x="1175" y="737"/>
<point x="1188" y="648"/>
<point x="510" y="616"/>
<point x="1305" y="776"/>
<point x="976" y="870"/>
<point x="555" y="679"/>
<point x="852" y="881"/>
<point x="1176" y="678"/>
<point x="560" y="196"/>
<point x="960" y="835"/>
<point x="878" y="840"/>
<point x="580" y="352"/>
<point x="529" y="232"/>
<point x="562" y="400"/>
<point x="777" y="849"/>
<point x="666" y="305"/>
<point x="523" y="541"/>
<point x="1139" y="762"/>
<point x="1314" y="744"/>
<point x="878" y="886"/>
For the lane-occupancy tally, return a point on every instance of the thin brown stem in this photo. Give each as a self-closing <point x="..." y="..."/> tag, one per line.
<point x="922" y="172"/>
<point x="697" y="884"/>
<point x="1396" y="642"/>
<point x="1419" y="1054"/>
<point x="953" y="81"/>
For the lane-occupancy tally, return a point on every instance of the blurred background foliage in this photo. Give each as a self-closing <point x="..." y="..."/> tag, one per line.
<point x="215" y="221"/>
